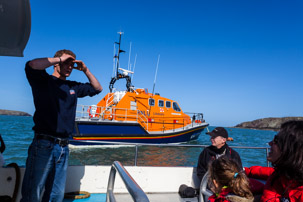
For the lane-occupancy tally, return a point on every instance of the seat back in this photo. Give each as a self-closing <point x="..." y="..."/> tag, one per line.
<point x="204" y="191"/>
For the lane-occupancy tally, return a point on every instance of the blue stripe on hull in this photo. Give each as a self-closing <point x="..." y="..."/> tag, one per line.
<point x="131" y="133"/>
<point x="111" y="130"/>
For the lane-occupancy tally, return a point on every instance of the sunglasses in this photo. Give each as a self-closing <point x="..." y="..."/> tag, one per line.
<point x="276" y="139"/>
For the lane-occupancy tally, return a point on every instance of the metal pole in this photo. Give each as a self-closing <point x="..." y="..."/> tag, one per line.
<point x="136" y="155"/>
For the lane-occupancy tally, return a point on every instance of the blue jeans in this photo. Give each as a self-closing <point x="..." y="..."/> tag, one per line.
<point x="46" y="167"/>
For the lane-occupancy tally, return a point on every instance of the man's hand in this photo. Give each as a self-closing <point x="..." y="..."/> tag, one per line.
<point x="80" y="66"/>
<point x="66" y="57"/>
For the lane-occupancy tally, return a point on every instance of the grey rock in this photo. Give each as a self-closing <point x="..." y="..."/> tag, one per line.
<point x="13" y="113"/>
<point x="267" y="123"/>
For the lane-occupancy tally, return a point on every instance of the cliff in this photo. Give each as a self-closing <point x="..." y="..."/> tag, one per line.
<point x="13" y="113"/>
<point x="267" y="123"/>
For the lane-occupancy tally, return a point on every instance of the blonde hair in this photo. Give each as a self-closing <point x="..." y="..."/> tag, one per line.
<point x="226" y="173"/>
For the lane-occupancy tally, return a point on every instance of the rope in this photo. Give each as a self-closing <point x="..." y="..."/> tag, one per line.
<point x="77" y="195"/>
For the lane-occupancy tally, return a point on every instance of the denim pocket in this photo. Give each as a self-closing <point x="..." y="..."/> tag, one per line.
<point x="44" y="144"/>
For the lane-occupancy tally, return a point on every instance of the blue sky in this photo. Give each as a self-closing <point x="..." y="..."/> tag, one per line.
<point x="234" y="61"/>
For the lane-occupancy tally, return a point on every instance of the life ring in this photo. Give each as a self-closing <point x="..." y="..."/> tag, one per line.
<point x="77" y="195"/>
<point x="89" y="112"/>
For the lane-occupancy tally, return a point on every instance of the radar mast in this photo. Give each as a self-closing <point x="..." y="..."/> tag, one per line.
<point x="120" y="72"/>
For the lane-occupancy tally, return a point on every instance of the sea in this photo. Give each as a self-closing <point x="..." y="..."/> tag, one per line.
<point x="17" y="134"/>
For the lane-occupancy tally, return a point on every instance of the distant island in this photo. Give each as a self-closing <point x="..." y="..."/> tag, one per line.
<point x="267" y="123"/>
<point x="13" y="113"/>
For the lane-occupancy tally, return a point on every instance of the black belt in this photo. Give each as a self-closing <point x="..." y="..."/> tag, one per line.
<point x="56" y="140"/>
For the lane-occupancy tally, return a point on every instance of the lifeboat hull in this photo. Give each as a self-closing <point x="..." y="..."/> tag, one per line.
<point x="99" y="132"/>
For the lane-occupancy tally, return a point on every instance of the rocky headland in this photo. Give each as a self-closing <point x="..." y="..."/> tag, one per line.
<point x="13" y="113"/>
<point x="267" y="123"/>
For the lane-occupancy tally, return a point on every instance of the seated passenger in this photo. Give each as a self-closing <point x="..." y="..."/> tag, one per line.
<point x="285" y="179"/>
<point x="219" y="147"/>
<point x="228" y="182"/>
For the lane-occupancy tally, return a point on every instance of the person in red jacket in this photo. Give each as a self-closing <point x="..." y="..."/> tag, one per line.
<point x="228" y="182"/>
<point x="285" y="179"/>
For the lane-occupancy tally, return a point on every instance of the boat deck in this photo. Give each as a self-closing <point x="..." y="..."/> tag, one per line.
<point x="158" y="197"/>
<point x="153" y="197"/>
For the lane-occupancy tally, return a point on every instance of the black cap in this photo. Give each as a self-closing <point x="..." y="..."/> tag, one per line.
<point x="219" y="131"/>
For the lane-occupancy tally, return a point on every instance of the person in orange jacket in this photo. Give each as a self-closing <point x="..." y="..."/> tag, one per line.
<point x="285" y="179"/>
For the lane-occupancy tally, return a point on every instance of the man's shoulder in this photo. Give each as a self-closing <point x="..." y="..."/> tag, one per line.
<point x="34" y="74"/>
<point x="208" y="150"/>
<point x="232" y="151"/>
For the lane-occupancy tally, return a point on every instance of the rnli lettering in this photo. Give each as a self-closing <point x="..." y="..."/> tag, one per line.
<point x="142" y="112"/>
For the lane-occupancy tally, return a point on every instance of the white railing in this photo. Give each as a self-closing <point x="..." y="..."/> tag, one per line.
<point x="133" y="188"/>
<point x="94" y="112"/>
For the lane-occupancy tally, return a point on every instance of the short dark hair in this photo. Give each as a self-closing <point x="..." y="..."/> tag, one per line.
<point x="290" y="143"/>
<point x="59" y="53"/>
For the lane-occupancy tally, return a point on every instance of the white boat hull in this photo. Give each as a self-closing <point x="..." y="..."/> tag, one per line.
<point x="94" y="179"/>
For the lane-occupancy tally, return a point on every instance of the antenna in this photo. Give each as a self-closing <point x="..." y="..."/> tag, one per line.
<point x="134" y="66"/>
<point x="156" y="73"/>
<point x="130" y="50"/>
<point x="125" y="72"/>
<point x="114" y="61"/>
<point x="119" y="75"/>
<point x="119" y="51"/>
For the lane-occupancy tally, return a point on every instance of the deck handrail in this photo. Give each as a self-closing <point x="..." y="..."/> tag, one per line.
<point x="137" y="145"/>
<point x="143" y="121"/>
<point x="138" y="116"/>
<point x="190" y="145"/>
<point x="107" y="104"/>
<point x="133" y="188"/>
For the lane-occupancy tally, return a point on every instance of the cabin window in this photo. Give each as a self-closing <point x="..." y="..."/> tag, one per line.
<point x="176" y="107"/>
<point x="161" y="103"/>
<point x="151" y="102"/>
<point x="168" y="104"/>
<point x="133" y="105"/>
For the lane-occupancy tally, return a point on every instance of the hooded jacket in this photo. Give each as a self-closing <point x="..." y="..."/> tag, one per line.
<point x="281" y="188"/>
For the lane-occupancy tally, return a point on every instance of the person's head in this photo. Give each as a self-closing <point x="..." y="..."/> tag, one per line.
<point x="286" y="150"/>
<point x="218" y="137"/>
<point x="65" y="68"/>
<point x="225" y="172"/>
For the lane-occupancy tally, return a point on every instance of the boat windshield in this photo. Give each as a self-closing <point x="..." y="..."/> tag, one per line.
<point x="151" y="102"/>
<point x="161" y="103"/>
<point x="168" y="104"/>
<point x="176" y="107"/>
